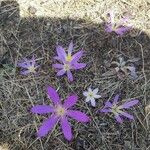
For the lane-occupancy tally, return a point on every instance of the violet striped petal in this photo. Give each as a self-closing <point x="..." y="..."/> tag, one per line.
<point x="79" y="65"/>
<point x="70" y="49"/>
<point x="77" y="56"/>
<point x="69" y="75"/>
<point x="108" y="104"/>
<point x="57" y="58"/>
<point x="108" y="28"/>
<point x="116" y="98"/>
<point x="58" y="66"/>
<point x="105" y="110"/>
<point x="42" y="109"/>
<point x="23" y="65"/>
<point x="61" y="53"/>
<point x="127" y="115"/>
<point x="61" y="72"/>
<point x="47" y="126"/>
<point x="118" y="118"/>
<point x="53" y="95"/>
<point x="66" y="128"/>
<point x="33" y="60"/>
<point x="78" y="115"/>
<point x="112" y="17"/>
<point x="129" y="104"/>
<point x="25" y="72"/>
<point x="121" y="30"/>
<point x="132" y="71"/>
<point x="70" y="101"/>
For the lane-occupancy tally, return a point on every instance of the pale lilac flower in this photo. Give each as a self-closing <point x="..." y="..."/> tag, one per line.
<point x="124" y="67"/>
<point x="117" y="110"/>
<point x="60" y="113"/>
<point x="118" y="27"/>
<point x="28" y="66"/>
<point x="68" y="62"/>
<point x="91" y="95"/>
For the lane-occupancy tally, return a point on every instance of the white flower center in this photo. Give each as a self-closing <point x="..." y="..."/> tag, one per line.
<point x="66" y="67"/>
<point x="31" y="69"/>
<point x="60" y="111"/>
<point x="115" y="109"/>
<point x="91" y="94"/>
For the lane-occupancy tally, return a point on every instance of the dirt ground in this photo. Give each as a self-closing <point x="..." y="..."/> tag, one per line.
<point x="35" y="27"/>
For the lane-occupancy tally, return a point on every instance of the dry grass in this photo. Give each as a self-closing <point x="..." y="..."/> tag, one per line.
<point x="36" y="30"/>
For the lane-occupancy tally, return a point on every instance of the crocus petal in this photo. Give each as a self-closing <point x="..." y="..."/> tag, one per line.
<point x="95" y="91"/>
<point x="105" y="110"/>
<point x="127" y="115"/>
<point x="90" y="90"/>
<point x="87" y="99"/>
<point x="77" y="56"/>
<point x="57" y="58"/>
<point x="121" y="30"/>
<point x="23" y="65"/>
<point x="61" y="72"/>
<point x="33" y="60"/>
<point x="112" y="17"/>
<point x="53" y="95"/>
<point x="25" y="72"/>
<point x="66" y="128"/>
<point x="132" y="71"/>
<point x="108" y="104"/>
<point x="58" y="66"/>
<point x="42" y="109"/>
<point x="70" y="101"/>
<point x="47" y="126"/>
<point x="116" y="98"/>
<point x="61" y="53"/>
<point x="97" y="96"/>
<point x="118" y="118"/>
<point x="108" y="28"/>
<point x="129" y="104"/>
<point x="93" y="103"/>
<point x="85" y="93"/>
<point x="70" y="49"/>
<point x="77" y="115"/>
<point x="79" y="66"/>
<point x="69" y="75"/>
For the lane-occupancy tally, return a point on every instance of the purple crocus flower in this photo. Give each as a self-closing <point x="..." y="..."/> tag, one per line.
<point x="60" y="112"/>
<point x="28" y="66"/>
<point x="68" y="61"/>
<point x="119" y="28"/>
<point x="117" y="110"/>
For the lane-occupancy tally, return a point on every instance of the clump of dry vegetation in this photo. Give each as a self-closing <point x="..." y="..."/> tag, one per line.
<point x="28" y="28"/>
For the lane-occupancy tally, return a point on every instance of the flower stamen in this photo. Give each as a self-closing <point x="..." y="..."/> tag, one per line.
<point x="68" y="58"/>
<point x="60" y="111"/>
<point x="66" y="67"/>
<point x="31" y="69"/>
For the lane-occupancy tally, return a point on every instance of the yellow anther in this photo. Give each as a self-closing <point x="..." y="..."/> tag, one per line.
<point x="60" y="111"/>
<point x="68" y="58"/>
<point x="31" y="69"/>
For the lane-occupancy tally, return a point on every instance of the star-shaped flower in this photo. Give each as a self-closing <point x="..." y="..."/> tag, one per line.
<point x="68" y="62"/>
<point x="91" y="95"/>
<point x="28" y="66"/>
<point x="123" y="66"/>
<point x="60" y="113"/>
<point x="118" y="27"/>
<point x="117" y="110"/>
